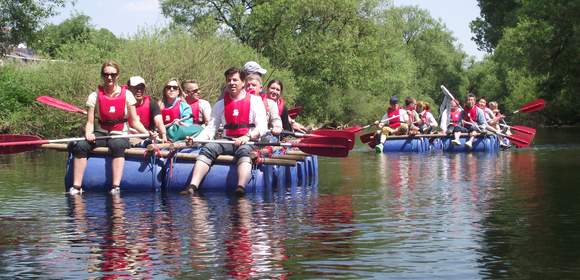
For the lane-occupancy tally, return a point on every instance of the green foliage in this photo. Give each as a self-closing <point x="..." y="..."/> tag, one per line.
<point x="155" y="55"/>
<point x="348" y="57"/>
<point x="74" y="35"/>
<point x="536" y="47"/>
<point x="19" y="19"/>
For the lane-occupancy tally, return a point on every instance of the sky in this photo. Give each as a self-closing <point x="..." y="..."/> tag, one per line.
<point x="125" y="18"/>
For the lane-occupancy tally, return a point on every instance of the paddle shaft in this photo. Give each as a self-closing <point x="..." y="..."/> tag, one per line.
<point x="66" y="140"/>
<point x="288" y="145"/>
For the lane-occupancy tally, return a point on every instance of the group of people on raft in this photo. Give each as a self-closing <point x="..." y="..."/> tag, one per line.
<point x="245" y="112"/>
<point x="415" y="118"/>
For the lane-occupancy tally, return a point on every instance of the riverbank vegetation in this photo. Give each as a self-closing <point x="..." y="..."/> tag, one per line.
<point x="341" y="60"/>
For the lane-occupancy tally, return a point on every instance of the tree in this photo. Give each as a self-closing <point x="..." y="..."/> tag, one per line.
<point x="496" y="15"/>
<point x="53" y="39"/>
<point x="20" y="19"/>
<point x="536" y="52"/>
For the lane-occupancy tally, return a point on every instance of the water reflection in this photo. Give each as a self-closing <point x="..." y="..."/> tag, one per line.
<point x="509" y="215"/>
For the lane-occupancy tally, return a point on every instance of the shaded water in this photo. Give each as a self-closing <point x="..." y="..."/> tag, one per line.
<point x="509" y="215"/>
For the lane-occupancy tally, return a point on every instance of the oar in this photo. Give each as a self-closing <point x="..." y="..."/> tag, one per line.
<point x="23" y="143"/>
<point x="521" y="128"/>
<point x="325" y="133"/>
<point x="294" y="112"/>
<point x="51" y="101"/>
<point x="533" y="106"/>
<point x="322" y="146"/>
<point x="366" y="138"/>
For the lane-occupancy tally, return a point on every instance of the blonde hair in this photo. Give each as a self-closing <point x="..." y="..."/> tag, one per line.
<point x="253" y="77"/>
<point x="111" y="63"/>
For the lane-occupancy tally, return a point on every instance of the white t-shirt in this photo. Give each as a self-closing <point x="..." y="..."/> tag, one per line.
<point x="92" y="103"/>
<point x="403" y="117"/>
<point x="257" y="117"/>
<point x="204" y="108"/>
<point x="273" y="114"/>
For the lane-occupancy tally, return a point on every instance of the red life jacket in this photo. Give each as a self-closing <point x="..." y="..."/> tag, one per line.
<point x="395" y="122"/>
<point x="423" y="116"/>
<point x="265" y="101"/>
<point x="471" y="115"/>
<point x="455" y="116"/>
<point x="237" y="115"/>
<point x="171" y="113"/>
<point x="112" y="110"/>
<point x="144" y="111"/>
<point x="195" y="112"/>
<point x="280" y="103"/>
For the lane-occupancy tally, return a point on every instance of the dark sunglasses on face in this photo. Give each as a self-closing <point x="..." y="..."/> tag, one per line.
<point x="193" y="91"/>
<point x="171" y="87"/>
<point x="112" y="75"/>
<point x="139" y="87"/>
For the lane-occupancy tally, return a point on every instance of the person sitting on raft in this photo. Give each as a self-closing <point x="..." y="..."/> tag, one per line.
<point x="495" y="123"/>
<point x="472" y="121"/>
<point x="394" y="122"/>
<point x="112" y="106"/>
<point x="275" y="89"/>
<point x="200" y="108"/>
<point x="244" y="119"/>
<point x="253" y="86"/>
<point x="176" y="112"/>
<point x="487" y="112"/>
<point x="147" y="109"/>
<point x="427" y="122"/>
<point x="414" y="118"/>
<point x="454" y="117"/>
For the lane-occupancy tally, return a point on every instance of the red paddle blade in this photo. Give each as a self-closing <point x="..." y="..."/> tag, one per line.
<point x="533" y="106"/>
<point x="366" y="138"/>
<point x="51" y="101"/>
<point x="336" y="133"/>
<point x="294" y="112"/>
<point x="523" y="129"/>
<point x="13" y="144"/>
<point x="17" y="138"/>
<point x="324" y="146"/>
<point x="520" y="141"/>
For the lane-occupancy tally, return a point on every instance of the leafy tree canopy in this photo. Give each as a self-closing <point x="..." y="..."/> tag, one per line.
<point x="20" y="19"/>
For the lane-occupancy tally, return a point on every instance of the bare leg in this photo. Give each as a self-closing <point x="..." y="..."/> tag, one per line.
<point x="244" y="173"/>
<point x="200" y="169"/>
<point x="80" y="164"/>
<point x="117" y="164"/>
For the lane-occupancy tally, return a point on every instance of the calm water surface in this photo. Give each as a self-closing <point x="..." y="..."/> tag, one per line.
<point x="509" y="215"/>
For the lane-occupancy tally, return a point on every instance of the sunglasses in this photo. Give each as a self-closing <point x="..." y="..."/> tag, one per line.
<point x="112" y="75"/>
<point x="192" y="91"/>
<point x="171" y="87"/>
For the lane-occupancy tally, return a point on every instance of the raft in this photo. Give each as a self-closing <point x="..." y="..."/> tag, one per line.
<point x="426" y="143"/>
<point x="153" y="173"/>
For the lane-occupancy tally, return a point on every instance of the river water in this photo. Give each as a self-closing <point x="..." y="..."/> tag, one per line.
<point x="510" y="215"/>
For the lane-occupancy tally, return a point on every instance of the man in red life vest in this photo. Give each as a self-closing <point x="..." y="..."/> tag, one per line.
<point x="394" y="122"/>
<point x="146" y="107"/>
<point x="472" y="121"/>
<point x="200" y="108"/>
<point x="244" y="118"/>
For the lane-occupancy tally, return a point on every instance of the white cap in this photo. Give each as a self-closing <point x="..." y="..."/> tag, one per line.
<point x="136" y="80"/>
<point x="253" y="67"/>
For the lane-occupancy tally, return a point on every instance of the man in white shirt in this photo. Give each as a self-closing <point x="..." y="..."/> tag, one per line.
<point x="244" y="118"/>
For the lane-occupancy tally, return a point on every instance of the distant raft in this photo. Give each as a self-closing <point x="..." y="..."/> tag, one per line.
<point x="171" y="172"/>
<point x="426" y="143"/>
